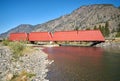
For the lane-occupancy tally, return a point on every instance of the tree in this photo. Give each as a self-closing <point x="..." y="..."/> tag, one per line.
<point x="87" y="28"/>
<point x="76" y="28"/>
<point x="102" y="29"/>
<point x="118" y="29"/>
<point x="118" y="34"/>
<point x="113" y="30"/>
<point x="107" y="31"/>
<point x="95" y="27"/>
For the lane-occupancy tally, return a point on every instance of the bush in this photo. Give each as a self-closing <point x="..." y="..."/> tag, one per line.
<point x="17" y="49"/>
<point x="5" y="42"/>
<point x="23" y="76"/>
<point x="118" y="34"/>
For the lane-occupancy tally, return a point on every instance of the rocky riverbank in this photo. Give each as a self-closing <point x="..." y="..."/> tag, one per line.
<point x="35" y="64"/>
<point x="110" y="46"/>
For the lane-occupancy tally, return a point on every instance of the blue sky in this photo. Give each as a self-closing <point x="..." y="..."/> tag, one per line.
<point x="16" y="12"/>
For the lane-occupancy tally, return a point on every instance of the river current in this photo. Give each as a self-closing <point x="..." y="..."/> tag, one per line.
<point x="83" y="64"/>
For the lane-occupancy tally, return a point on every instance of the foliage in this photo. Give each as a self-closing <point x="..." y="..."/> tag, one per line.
<point x="113" y="30"/>
<point x="76" y="28"/>
<point x="118" y="29"/>
<point x="23" y="76"/>
<point x="102" y="29"/>
<point x="87" y="28"/>
<point x="17" y="49"/>
<point x="105" y="29"/>
<point x="95" y="27"/>
<point x="118" y="34"/>
<point x="5" y="42"/>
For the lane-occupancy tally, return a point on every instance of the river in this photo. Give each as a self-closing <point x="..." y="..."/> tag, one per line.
<point x="83" y="64"/>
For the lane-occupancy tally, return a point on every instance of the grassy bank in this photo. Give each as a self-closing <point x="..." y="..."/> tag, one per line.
<point x="18" y="48"/>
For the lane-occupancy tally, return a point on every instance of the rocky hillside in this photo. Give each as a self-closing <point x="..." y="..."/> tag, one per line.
<point x="21" y="28"/>
<point x="82" y="18"/>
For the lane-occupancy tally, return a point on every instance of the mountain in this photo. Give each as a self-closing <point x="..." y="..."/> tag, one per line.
<point x="85" y="17"/>
<point x="21" y="28"/>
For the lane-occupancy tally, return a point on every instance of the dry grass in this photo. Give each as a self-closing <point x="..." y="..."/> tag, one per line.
<point x="23" y="76"/>
<point x="5" y="42"/>
<point x="19" y="49"/>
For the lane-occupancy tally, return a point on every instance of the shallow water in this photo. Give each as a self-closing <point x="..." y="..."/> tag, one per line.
<point x="83" y="64"/>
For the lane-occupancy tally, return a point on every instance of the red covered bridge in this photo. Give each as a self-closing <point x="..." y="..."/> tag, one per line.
<point x="82" y="35"/>
<point x="90" y="35"/>
<point x="40" y="36"/>
<point x="65" y="36"/>
<point x="18" y="37"/>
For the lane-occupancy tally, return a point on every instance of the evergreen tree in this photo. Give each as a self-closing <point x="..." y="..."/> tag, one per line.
<point x="102" y="29"/>
<point x="95" y="28"/>
<point x="106" y="29"/>
<point x="99" y="28"/>
<point x="118" y="34"/>
<point x="113" y="30"/>
<point x="87" y="28"/>
<point x="76" y="28"/>
<point x="118" y="31"/>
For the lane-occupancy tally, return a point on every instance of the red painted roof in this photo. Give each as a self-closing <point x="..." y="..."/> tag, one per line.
<point x="83" y="35"/>
<point x="65" y="36"/>
<point x="18" y="36"/>
<point x="90" y="35"/>
<point x="40" y="36"/>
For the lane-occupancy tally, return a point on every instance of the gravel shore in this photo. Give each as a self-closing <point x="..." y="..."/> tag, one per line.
<point x="110" y="46"/>
<point x="35" y="63"/>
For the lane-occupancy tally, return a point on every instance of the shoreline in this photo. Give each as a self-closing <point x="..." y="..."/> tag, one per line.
<point x="110" y="46"/>
<point x="35" y="63"/>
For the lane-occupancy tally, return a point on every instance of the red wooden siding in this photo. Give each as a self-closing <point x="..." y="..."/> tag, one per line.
<point x="18" y="36"/>
<point x="83" y="35"/>
<point x="40" y="36"/>
<point x="90" y="35"/>
<point x="65" y="36"/>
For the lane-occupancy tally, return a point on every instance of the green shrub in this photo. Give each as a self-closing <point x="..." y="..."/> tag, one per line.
<point x="5" y="42"/>
<point x="23" y="76"/>
<point x="17" y="49"/>
<point x="118" y="34"/>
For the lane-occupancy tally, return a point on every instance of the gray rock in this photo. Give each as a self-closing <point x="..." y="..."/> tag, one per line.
<point x="35" y="63"/>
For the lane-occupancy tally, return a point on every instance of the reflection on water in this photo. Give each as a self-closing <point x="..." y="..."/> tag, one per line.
<point x="83" y="64"/>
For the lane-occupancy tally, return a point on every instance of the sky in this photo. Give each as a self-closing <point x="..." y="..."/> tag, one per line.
<point x="16" y="12"/>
